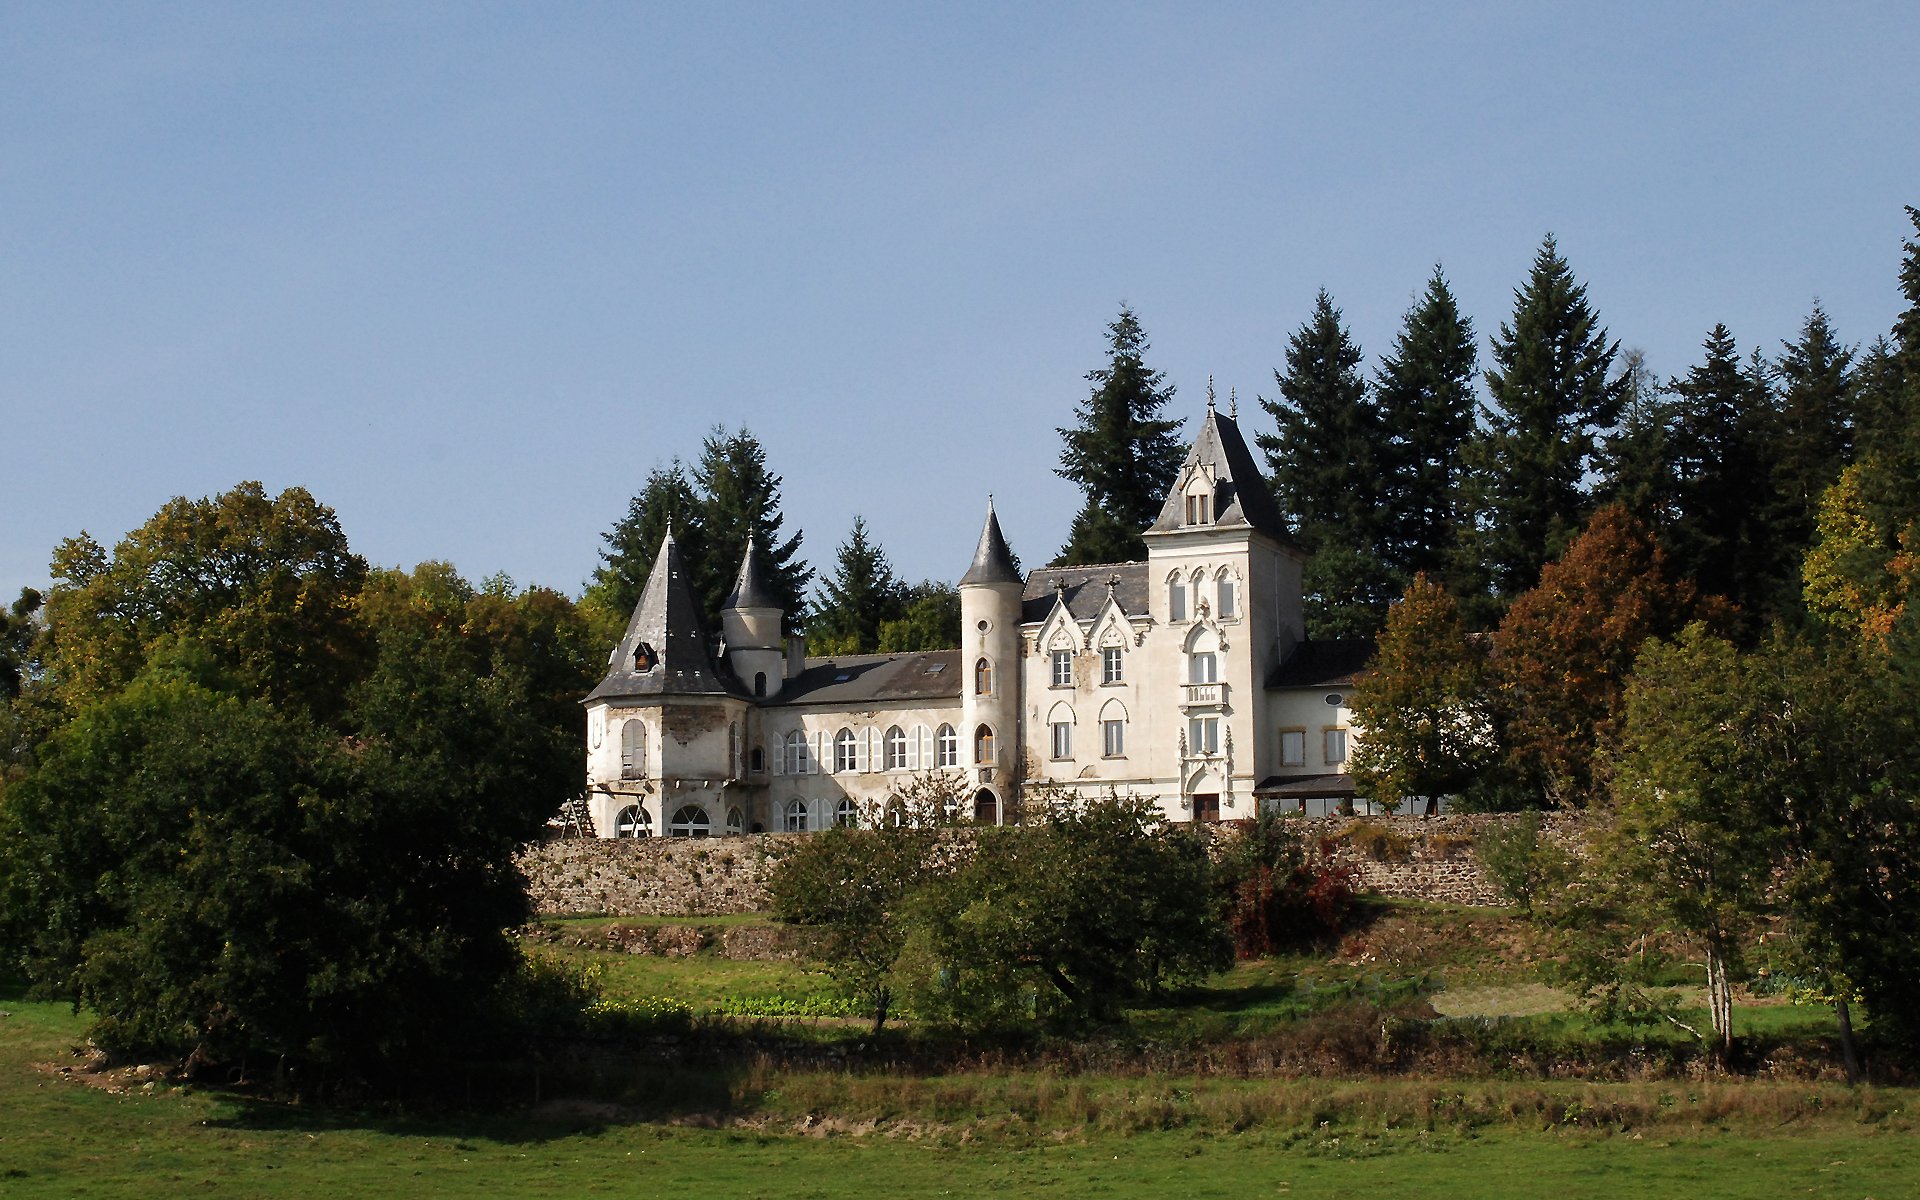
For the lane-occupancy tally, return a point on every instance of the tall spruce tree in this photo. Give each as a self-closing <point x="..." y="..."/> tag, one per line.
<point x="1637" y="458"/>
<point x="860" y="596"/>
<point x="665" y="499"/>
<point x="1328" y="462"/>
<point x="1121" y="451"/>
<point x="740" y="498"/>
<point x="1552" y="395"/>
<point x="1721" y="537"/>
<point x="1815" y="431"/>
<point x="1426" y="402"/>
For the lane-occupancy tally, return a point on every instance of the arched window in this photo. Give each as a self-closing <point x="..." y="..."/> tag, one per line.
<point x="633" y="750"/>
<point x="983" y="678"/>
<point x="736" y="821"/>
<point x="1228" y="602"/>
<point x="690" y="822"/>
<point x="845" y="750"/>
<point x="844" y="814"/>
<point x="947" y="743"/>
<point x="986" y="809"/>
<point x="796" y="816"/>
<point x="798" y="755"/>
<point x="633" y="821"/>
<point x="983" y="746"/>
<point x="759" y="683"/>
<point x="896" y="749"/>
<point x="757" y="757"/>
<point x="1113" y="730"/>
<point x="1176" y="599"/>
<point x="1060" y="732"/>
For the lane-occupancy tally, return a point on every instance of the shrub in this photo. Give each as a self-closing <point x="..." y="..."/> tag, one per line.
<point x="1378" y="842"/>
<point x="1281" y="889"/>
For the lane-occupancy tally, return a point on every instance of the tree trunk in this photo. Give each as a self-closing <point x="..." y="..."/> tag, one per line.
<point x="1848" y="1052"/>
<point x="882" y="1001"/>
<point x="1720" y="1004"/>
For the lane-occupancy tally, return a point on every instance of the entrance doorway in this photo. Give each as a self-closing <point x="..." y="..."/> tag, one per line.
<point x="986" y="809"/>
<point x="1206" y="806"/>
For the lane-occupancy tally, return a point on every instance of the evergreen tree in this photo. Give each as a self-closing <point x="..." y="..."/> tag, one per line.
<point x="740" y="498"/>
<point x="1121" y="451"/>
<point x="929" y="619"/>
<point x="665" y="499"/>
<point x="1329" y="461"/>
<point x="1815" y="430"/>
<point x="1552" y="396"/>
<point x="860" y="596"/>
<point x="1723" y="537"/>
<point x="1637" y="468"/>
<point x="1425" y="399"/>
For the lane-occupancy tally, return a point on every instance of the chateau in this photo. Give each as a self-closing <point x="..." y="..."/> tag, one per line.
<point x="1186" y="677"/>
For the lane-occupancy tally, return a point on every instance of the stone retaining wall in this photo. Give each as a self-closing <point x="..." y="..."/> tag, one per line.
<point x="1425" y="858"/>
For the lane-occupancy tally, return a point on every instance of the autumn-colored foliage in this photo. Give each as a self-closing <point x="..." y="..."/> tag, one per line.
<point x="1565" y="650"/>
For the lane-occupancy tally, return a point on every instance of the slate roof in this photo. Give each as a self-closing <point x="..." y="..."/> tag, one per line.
<point x="850" y="679"/>
<point x="1305" y="787"/>
<point x="1336" y="662"/>
<point x="992" y="561"/>
<point x="750" y="588"/>
<point x="1086" y="589"/>
<point x="1240" y="495"/>
<point x="666" y="622"/>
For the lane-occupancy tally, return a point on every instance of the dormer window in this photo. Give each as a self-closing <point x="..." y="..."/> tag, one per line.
<point x="1199" y="508"/>
<point x="643" y="658"/>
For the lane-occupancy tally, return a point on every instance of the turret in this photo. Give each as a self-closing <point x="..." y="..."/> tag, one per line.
<point x="990" y="641"/>
<point x="750" y="623"/>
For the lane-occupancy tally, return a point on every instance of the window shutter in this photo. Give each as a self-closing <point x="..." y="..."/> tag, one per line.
<point x="913" y="747"/>
<point x="861" y="761"/>
<point x="778" y="747"/>
<point x="819" y="752"/>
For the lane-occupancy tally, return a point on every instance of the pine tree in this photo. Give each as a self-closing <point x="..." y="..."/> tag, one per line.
<point x="1329" y="462"/>
<point x="665" y="499"/>
<point x="1425" y="398"/>
<point x="1552" y="396"/>
<point x="740" y="498"/>
<point x="1637" y="459"/>
<point x="1815" y="431"/>
<point x="1121" y="451"/>
<point x="1722" y="537"/>
<point x="860" y="596"/>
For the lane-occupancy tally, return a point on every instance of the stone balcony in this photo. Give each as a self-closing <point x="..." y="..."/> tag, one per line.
<point x="1203" y="695"/>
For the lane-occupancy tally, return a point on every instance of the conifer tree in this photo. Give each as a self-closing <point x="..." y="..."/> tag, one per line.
<point x="860" y="596"/>
<point x="665" y="499"/>
<point x="1426" y="403"/>
<point x="1722" y="536"/>
<point x="1551" y="397"/>
<point x="1637" y="460"/>
<point x="740" y="498"/>
<point x="1329" y="461"/>
<point x="1121" y="451"/>
<point x="1815" y="430"/>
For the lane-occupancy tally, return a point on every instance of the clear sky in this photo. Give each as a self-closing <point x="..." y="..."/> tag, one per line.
<point x="467" y="272"/>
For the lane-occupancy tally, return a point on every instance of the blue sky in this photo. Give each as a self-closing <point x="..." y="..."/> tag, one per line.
<point x="467" y="272"/>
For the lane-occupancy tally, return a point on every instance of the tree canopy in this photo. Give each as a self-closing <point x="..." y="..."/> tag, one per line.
<point x="1121" y="451"/>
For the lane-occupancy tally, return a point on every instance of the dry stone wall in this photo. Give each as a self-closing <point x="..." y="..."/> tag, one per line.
<point x="1423" y="858"/>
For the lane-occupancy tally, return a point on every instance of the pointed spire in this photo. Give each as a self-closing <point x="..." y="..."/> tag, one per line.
<point x="1240" y="495"/>
<point x="664" y="650"/>
<point x="750" y="588"/>
<point x="992" y="561"/>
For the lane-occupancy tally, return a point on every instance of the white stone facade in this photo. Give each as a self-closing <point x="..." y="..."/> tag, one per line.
<point x="1185" y="677"/>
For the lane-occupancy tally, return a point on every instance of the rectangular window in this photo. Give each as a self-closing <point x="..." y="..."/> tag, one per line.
<point x="1176" y="602"/>
<point x="1203" y="668"/>
<point x="1200" y="509"/>
<point x="1112" y="664"/>
<point x="1293" y="747"/>
<point x="1336" y="746"/>
<point x="1203" y="735"/>
<point x="1226" y="598"/>
<point x="1062" y="740"/>
<point x="1063" y="668"/>
<point x="1113" y="736"/>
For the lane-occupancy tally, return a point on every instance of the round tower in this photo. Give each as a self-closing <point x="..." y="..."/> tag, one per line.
<point x="750" y="624"/>
<point x="990" y="681"/>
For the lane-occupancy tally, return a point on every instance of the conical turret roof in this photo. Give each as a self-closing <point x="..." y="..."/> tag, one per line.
<point x="992" y="561"/>
<point x="664" y="651"/>
<point x="750" y="588"/>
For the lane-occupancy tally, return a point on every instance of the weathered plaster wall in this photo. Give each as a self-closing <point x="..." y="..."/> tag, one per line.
<point x="1425" y="858"/>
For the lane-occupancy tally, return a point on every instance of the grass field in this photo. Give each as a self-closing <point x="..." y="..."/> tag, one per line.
<point x="762" y="1129"/>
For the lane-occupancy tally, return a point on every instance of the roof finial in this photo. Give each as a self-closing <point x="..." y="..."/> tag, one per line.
<point x="1209" y="393"/>
<point x="1233" y="403"/>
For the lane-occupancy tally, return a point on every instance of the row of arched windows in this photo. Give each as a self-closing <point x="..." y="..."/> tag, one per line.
<point x="852" y="751"/>
<point x="689" y="821"/>
<point x="1198" y="585"/>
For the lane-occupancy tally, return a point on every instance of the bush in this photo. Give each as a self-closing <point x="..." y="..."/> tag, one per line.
<point x="1518" y="861"/>
<point x="1280" y="889"/>
<point x="1378" y="842"/>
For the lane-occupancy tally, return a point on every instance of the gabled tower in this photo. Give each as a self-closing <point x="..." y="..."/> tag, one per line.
<point x="990" y="660"/>
<point x="750" y="623"/>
